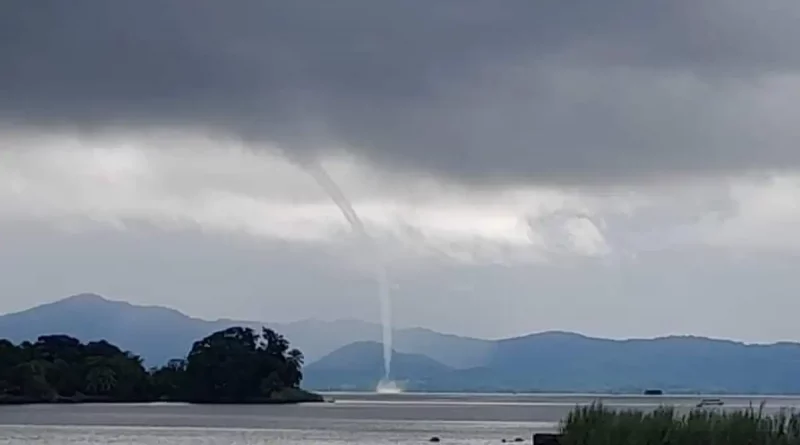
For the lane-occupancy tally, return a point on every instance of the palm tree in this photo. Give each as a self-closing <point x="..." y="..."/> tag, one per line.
<point x="294" y="366"/>
<point x="276" y="344"/>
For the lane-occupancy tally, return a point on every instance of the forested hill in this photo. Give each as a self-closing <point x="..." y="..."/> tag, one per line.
<point x="235" y="365"/>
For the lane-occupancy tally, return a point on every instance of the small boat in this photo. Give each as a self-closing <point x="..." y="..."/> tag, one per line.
<point x="710" y="402"/>
<point x="653" y="392"/>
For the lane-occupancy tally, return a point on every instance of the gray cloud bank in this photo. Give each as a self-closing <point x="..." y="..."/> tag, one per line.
<point x="519" y="90"/>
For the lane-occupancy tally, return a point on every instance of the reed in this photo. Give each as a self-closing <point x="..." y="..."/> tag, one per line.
<point x="598" y="425"/>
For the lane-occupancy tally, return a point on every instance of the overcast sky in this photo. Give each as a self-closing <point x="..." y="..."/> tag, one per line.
<point x="620" y="169"/>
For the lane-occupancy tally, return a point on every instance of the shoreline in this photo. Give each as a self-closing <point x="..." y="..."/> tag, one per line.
<point x="565" y="394"/>
<point x="285" y="397"/>
<point x="421" y="419"/>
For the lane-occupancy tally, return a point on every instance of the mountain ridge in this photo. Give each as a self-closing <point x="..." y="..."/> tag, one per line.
<point x="353" y="367"/>
<point x="96" y="298"/>
<point x="91" y="316"/>
<point x="429" y="361"/>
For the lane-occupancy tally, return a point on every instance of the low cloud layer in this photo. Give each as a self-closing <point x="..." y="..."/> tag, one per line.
<point x="237" y="191"/>
<point x="196" y="184"/>
<point x="208" y="275"/>
<point x="484" y="93"/>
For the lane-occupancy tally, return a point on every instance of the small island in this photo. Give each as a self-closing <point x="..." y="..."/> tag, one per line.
<point x="235" y="365"/>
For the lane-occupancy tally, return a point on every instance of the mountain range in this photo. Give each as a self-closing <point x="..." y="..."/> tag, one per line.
<point x="159" y="334"/>
<point x="348" y="355"/>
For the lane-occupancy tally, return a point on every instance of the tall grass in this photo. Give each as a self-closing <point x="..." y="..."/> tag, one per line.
<point x="597" y="425"/>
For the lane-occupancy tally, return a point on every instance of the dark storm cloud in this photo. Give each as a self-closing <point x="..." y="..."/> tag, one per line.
<point x="478" y="90"/>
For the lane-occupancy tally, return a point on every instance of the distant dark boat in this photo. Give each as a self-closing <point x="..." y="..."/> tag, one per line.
<point x="653" y="392"/>
<point x="710" y="402"/>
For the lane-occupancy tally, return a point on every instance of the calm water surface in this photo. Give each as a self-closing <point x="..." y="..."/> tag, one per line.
<point x="352" y="419"/>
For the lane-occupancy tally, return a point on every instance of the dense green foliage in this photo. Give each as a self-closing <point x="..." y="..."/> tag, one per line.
<point x="597" y="425"/>
<point x="233" y="365"/>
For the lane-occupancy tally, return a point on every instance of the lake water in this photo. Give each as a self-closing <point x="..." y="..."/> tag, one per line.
<point x="353" y="418"/>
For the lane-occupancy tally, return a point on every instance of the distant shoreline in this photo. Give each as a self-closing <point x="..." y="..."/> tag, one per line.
<point x="287" y="398"/>
<point x="666" y="394"/>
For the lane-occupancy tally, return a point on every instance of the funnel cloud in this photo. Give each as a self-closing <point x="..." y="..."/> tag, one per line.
<point x="373" y="255"/>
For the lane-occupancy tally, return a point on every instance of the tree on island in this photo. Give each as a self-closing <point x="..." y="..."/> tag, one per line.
<point x="59" y="366"/>
<point x="236" y="365"/>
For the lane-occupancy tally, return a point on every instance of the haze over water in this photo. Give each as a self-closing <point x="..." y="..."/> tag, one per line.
<point x="354" y="418"/>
